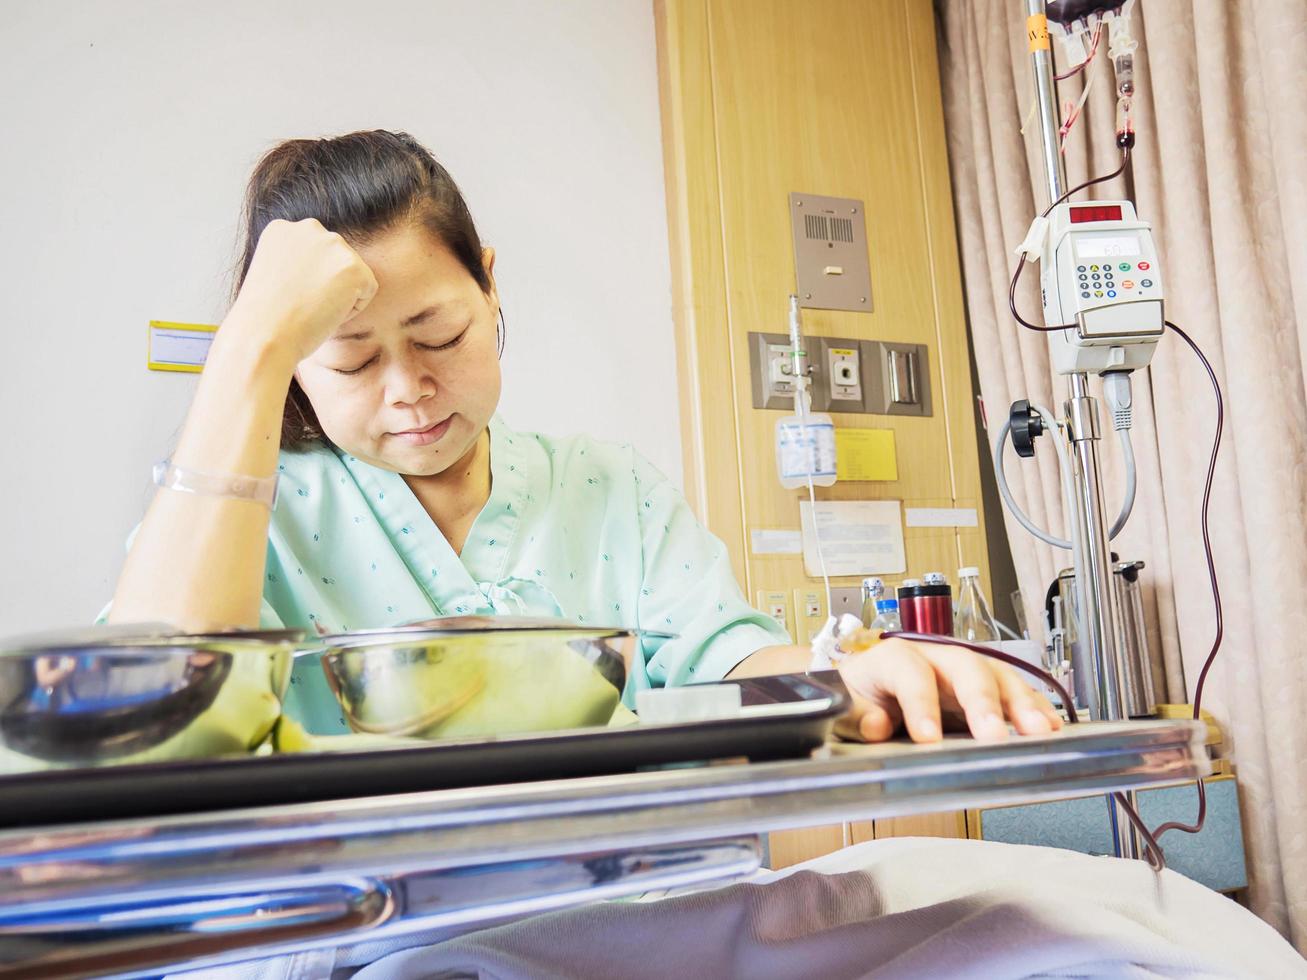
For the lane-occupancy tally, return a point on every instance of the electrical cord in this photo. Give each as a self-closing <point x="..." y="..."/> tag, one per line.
<point x="1131" y="483"/>
<point x="1197" y="825"/>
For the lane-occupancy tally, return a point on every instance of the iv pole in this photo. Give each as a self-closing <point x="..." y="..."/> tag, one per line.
<point x="1096" y="617"/>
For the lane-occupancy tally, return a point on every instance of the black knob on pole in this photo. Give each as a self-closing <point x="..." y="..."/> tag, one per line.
<point x="1027" y="426"/>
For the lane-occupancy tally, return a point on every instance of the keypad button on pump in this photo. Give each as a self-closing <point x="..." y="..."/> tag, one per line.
<point x="1144" y="266"/>
<point x="1111" y="294"/>
<point x="1081" y="268"/>
<point x="1093" y="268"/>
<point x="1098" y="293"/>
<point x="1096" y="277"/>
<point x="1128" y="284"/>
<point x="1146" y="283"/>
<point x="1083" y="277"/>
<point x="1084" y="296"/>
<point x="1124" y="267"/>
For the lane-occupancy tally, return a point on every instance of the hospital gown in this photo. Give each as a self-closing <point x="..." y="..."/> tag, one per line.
<point x="574" y="528"/>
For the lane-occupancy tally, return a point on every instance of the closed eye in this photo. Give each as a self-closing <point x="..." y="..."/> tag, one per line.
<point x="373" y="359"/>
<point x="448" y="345"/>
<point x="368" y="363"/>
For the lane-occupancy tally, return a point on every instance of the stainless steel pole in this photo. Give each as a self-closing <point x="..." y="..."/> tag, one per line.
<point x="1089" y="528"/>
<point x="1041" y="56"/>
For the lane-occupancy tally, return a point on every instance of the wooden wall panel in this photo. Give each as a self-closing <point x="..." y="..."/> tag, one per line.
<point x="789" y="847"/>
<point x="840" y="97"/>
<point x="709" y="417"/>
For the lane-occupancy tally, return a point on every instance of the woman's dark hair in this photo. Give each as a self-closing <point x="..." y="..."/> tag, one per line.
<point x="359" y="186"/>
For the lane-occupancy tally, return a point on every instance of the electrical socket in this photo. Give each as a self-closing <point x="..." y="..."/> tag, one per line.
<point x="847" y="600"/>
<point x="809" y="614"/>
<point x="837" y="374"/>
<point x="777" y="606"/>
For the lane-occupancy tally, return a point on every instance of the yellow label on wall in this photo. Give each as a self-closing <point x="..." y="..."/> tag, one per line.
<point x="1037" y="32"/>
<point x="865" y="454"/>
<point x="178" y="346"/>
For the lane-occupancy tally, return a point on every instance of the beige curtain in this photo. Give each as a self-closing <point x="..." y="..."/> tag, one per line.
<point x="1220" y="169"/>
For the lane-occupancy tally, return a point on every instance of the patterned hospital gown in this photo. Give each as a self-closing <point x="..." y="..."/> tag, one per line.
<point x="574" y="528"/>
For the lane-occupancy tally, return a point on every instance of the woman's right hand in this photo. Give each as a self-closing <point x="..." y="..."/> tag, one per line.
<point x="303" y="283"/>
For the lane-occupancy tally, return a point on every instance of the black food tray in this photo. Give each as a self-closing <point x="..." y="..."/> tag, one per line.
<point x="807" y="706"/>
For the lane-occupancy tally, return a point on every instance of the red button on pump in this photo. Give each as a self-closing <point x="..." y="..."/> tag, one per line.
<point x="1144" y="266"/>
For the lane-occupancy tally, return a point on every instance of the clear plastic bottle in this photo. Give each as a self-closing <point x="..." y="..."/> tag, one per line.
<point x="887" y="616"/>
<point x="973" y="621"/>
<point x="873" y="590"/>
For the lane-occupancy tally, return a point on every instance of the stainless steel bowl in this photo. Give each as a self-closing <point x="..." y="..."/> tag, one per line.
<point x="115" y="695"/>
<point x="477" y="676"/>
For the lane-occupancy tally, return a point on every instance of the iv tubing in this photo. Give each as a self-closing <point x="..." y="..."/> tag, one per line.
<point x="801" y="397"/>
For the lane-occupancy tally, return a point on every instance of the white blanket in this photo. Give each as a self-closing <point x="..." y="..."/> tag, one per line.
<point x="897" y="908"/>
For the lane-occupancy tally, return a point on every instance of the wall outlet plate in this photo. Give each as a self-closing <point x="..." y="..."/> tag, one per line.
<point x="777" y="606"/>
<point x="846" y="600"/>
<point x="769" y="356"/>
<point x="809" y="614"/>
<point x="837" y="370"/>
<point x="897" y="378"/>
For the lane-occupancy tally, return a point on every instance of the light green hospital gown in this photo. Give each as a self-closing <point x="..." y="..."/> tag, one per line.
<point x="574" y="528"/>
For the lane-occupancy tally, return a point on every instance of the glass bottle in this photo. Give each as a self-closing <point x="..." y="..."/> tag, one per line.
<point x="973" y="621"/>
<point x="873" y="589"/>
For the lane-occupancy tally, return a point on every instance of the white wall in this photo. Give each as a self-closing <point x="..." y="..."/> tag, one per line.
<point x="129" y="129"/>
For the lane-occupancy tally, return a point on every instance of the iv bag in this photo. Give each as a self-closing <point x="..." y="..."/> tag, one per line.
<point x="805" y="448"/>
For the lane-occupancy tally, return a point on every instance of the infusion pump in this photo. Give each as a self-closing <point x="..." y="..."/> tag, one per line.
<point x="1099" y="272"/>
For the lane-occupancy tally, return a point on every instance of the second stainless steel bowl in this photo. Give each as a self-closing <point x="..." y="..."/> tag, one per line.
<point x="477" y="676"/>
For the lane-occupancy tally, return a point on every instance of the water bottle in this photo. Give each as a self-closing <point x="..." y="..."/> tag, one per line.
<point x="973" y="622"/>
<point x="887" y="616"/>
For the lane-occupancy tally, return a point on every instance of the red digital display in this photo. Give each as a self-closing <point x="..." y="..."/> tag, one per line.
<point x="1096" y="212"/>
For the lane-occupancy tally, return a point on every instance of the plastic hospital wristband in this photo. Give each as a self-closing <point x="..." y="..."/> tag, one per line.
<point x="261" y="490"/>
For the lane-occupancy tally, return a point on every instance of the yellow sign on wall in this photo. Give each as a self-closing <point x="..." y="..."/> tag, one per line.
<point x="865" y="454"/>
<point x="178" y="346"/>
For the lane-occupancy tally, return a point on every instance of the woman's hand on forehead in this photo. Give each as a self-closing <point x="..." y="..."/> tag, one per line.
<point x="303" y="284"/>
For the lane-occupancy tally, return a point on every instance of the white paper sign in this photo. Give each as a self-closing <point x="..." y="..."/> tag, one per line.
<point x="942" y="517"/>
<point x="777" y="542"/>
<point x="858" y="537"/>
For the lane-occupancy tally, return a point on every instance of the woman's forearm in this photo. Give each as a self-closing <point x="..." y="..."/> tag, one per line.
<point x="773" y="660"/>
<point x="197" y="561"/>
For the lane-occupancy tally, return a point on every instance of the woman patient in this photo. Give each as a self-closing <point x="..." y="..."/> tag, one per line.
<point x="359" y="364"/>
